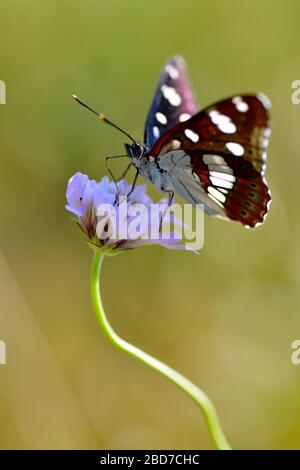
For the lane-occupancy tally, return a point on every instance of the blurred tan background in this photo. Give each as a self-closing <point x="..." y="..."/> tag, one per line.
<point x="225" y="318"/>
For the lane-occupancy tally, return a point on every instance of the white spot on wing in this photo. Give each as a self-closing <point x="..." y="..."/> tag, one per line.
<point x="191" y="135"/>
<point x="161" y="118"/>
<point x="176" y="144"/>
<point x="227" y="127"/>
<point x="221" y="183"/>
<point x="184" y="117"/>
<point x="221" y="169"/>
<point x="218" y="167"/>
<point x="267" y="132"/>
<point x="240" y="105"/>
<point x="266" y="135"/>
<point x="213" y="159"/>
<point x="216" y="194"/>
<point x="223" y="122"/>
<point x="156" y="132"/>
<point x="215" y="200"/>
<point x="171" y="95"/>
<point x="224" y="176"/>
<point x="264" y="100"/>
<point x="235" y="148"/>
<point x="172" y="71"/>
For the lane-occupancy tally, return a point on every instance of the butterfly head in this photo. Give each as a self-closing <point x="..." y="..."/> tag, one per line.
<point x="135" y="152"/>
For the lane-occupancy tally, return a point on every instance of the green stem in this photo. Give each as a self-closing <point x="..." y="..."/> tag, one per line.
<point x="184" y="384"/>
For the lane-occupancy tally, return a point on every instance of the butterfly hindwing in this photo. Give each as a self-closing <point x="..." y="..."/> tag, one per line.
<point x="220" y="156"/>
<point x="173" y="101"/>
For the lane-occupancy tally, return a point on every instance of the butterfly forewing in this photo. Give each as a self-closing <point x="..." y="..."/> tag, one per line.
<point x="222" y="151"/>
<point x="173" y="101"/>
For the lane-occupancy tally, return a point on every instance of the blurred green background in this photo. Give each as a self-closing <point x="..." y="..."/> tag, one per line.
<point x="225" y="318"/>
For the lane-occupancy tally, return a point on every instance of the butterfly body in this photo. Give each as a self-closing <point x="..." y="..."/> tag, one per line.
<point x="149" y="168"/>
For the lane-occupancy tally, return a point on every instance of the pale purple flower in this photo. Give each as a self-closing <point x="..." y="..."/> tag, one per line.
<point x="112" y="221"/>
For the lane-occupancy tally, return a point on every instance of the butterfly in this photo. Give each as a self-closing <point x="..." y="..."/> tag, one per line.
<point x="215" y="156"/>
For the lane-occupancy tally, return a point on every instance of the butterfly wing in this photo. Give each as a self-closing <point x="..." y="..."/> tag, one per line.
<point x="218" y="158"/>
<point x="173" y="101"/>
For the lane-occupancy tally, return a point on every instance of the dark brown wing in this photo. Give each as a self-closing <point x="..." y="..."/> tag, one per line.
<point x="225" y="148"/>
<point x="173" y="101"/>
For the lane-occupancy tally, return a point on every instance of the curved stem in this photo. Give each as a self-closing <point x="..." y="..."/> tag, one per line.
<point x="184" y="384"/>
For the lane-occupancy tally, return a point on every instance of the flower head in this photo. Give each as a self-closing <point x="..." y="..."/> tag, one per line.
<point x="115" y="217"/>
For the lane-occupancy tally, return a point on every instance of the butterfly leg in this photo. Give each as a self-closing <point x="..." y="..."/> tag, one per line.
<point x="171" y="197"/>
<point x="109" y="170"/>
<point x="133" y="183"/>
<point x="170" y="201"/>
<point x="113" y="156"/>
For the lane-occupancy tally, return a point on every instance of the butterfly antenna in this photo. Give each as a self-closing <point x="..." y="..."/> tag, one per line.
<point x="102" y="117"/>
